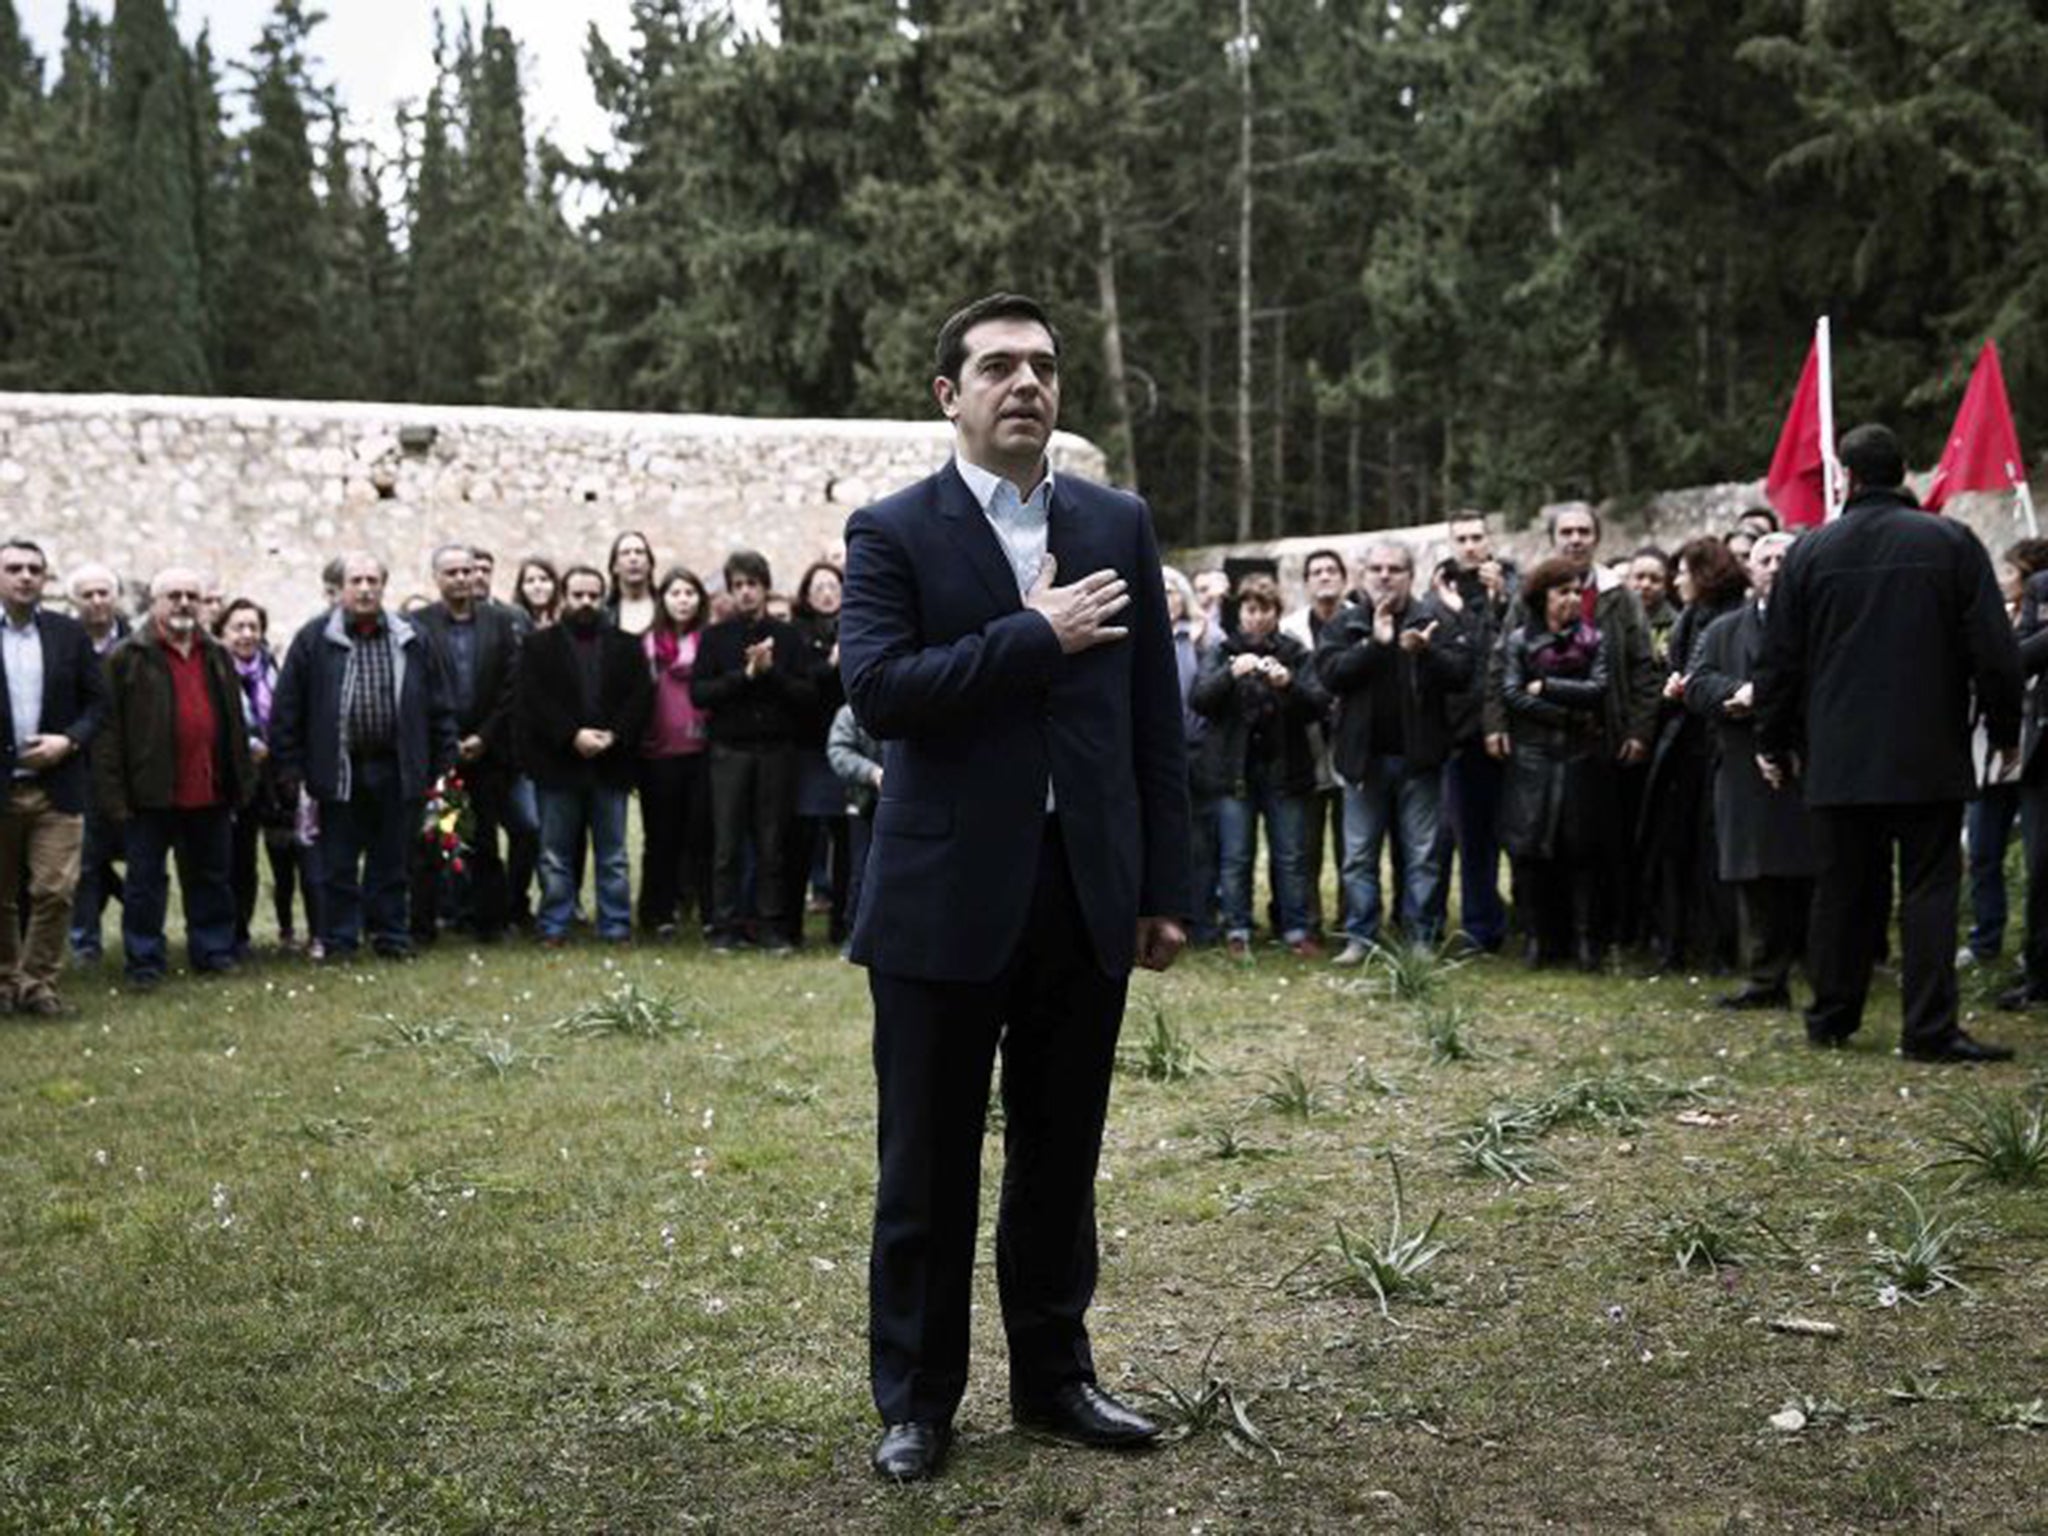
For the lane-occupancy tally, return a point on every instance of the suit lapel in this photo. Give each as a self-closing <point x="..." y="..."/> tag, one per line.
<point x="968" y="527"/>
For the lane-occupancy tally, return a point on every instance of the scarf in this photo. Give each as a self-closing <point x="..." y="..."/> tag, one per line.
<point x="1569" y="654"/>
<point x="259" y="678"/>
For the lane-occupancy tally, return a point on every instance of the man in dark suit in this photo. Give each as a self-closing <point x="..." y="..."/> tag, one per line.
<point x="584" y="697"/>
<point x="1030" y="845"/>
<point x="479" y="648"/>
<point x="1881" y="626"/>
<point x="56" y="698"/>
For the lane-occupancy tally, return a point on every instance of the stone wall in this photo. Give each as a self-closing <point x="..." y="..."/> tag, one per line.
<point x="1668" y="520"/>
<point x="264" y="492"/>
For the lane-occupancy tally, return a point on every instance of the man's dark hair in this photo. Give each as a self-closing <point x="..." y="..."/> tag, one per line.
<point x="750" y="563"/>
<point x="1314" y="555"/>
<point x="1872" y="454"/>
<point x="334" y="572"/>
<point x="1768" y="514"/>
<point x="483" y="556"/>
<point x="951" y="351"/>
<point x="1259" y="590"/>
<point x="1552" y="516"/>
<point x="2028" y="556"/>
<point x="31" y="546"/>
<point x="582" y="570"/>
<point x="1656" y="552"/>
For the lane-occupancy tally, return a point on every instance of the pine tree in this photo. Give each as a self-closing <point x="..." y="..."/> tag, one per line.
<point x="158" y="317"/>
<point x="277" y="345"/>
<point x="446" y="345"/>
<point x="216" y="177"/>
<point x="21" y="72"/>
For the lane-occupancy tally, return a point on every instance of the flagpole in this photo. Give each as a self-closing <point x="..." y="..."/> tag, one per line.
<point x="2025" y="496"/>
<point x="1830" y="466"/>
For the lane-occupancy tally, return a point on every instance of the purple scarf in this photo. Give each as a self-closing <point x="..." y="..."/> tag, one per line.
<point x="1569" y="654"/>
<point x="258" y="674"/>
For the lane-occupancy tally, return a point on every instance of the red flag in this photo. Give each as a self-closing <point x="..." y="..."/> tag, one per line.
<point x="1983" y="452"/>
<point x="1797" y="483"/>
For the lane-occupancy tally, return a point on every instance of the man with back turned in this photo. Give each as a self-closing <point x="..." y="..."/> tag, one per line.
<point x="1005" y="637"/>
<point x="1882" y="625"/>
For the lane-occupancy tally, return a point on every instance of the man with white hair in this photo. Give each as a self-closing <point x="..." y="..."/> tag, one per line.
<point x="96" y="604"/>
<point x="1765" y="837"/>
<point x="362" y="718"/>
<point x="171" y="768"/>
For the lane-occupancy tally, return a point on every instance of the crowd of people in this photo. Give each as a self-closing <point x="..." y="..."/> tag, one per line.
<point x="457" y="761"/>
<point x="447" y="762"/>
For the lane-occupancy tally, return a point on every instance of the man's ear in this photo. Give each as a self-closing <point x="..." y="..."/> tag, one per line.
<point x="947" y="392"/>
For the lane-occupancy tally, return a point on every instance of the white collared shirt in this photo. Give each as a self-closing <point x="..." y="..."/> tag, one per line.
<point x="1020" y="523"/>
<point x="21" y="654"/>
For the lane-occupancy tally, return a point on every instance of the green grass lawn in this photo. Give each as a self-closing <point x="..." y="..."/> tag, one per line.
<point x="382" y="1248"/>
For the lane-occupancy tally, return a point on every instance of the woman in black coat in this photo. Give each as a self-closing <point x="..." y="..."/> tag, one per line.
<point x="1557" y="805"/>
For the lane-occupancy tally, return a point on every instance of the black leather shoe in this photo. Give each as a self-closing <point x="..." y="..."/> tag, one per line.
<point x="1826" y="1040"/>
<point x="1750" y="998"/>
<point x="2020" y="998"/>
<point x="1082" y="1413"/>
<point x="1958" y="1048"/>
<point x="912" y="1452"/>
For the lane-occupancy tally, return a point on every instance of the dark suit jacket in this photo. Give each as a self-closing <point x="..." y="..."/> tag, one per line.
<point x="2033" y="641"/>
<point x="74" y="704"/>
<point x="489" y="713"/>
<point x="1881" y="624"/>
<point x="978" y="708"/>
<point x="551" y="709"/>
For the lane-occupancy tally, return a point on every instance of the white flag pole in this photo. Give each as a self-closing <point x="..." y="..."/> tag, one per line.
<point x="2024" y="498"/>
<point x="1831" y="467"/>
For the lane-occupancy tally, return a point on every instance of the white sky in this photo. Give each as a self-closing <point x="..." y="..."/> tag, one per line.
<point x="378" y="53"/>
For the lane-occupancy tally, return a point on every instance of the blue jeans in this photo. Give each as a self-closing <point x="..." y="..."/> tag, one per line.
<point x="202" y="841"/>
<point x="566" y="816"/>
<point x="1472" y="786"/>
<point x="1391" y="794"/>
<point x="1237" y="829"/>
<point x="1205" y="853"/>
<point x="1987" y="829"/>
<point x="364" y="841"/>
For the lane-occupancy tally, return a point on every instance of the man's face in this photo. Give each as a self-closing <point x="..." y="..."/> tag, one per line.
<point x="1471" y="543"/>
<point x="175" y="599"/>
<point x="213" y="601"/>
<point x="94" y="598"/>
<point x="1388" y="576"/>
<point x="22" y="573"/>
<point x="362" y="588"/>
<point x="455" y="575"/>
<point x="1766" y="558"/>
<point x="1647" y="577"/>
<point x="633" y="562"/>
<point x="1325" y="577"/>
<point x="1255" y="621"/>
<point x="1007" y="399"/>
<point x="584" y="594"/>
<point x="749" y="596"/>
<point x="1575" y="536"/>
<point x="486" y="568"/>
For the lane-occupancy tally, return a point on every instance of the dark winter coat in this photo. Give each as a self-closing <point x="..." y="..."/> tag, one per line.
<point x="305" y="718"/>
<point x="1881" y="625"/>
<point x="551" y="708"/>
<point x="773" y="708"/>
<point x="490" y="713"/>
<point x="1634" y="684"/>
<point x="1551" y="732"/>
<point x="1352" y="664"/>
<point x="135" y="762"/>
<point x="1253" y="723"/>
<point x="1761" y="832"/>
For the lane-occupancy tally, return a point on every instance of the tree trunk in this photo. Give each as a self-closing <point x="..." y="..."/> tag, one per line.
<point x="1123" y="444"/>
<point x="1244" y="272"/>
<point x="1280" y="425"/>
<point x="1202" y="351"/>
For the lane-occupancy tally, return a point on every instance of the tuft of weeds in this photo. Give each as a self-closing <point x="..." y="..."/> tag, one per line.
<point x="1615" y="1101"/>
<point x="1920" y="1255"/>
<point x="1163" y="1054"/>
<point x="1501" y="1145"/>
<point x="332" y="1131"/>
<point x="1226" y="1145"/>
<point x="500" y="1056"/>
<point x="1212" y="1403"/>
<point x="1291" y="1092"/>
<point x="1393" y="1268"/>
<point x="627" y="1010"/>
<point x="415" y="1035"/>
<point x="1445" y="1029"/>
<point x="1996" y="1141"/>
<point x="1362" y="1077"/>
<point x="1718" y="1235"/>
<point x="1412" y="973"/>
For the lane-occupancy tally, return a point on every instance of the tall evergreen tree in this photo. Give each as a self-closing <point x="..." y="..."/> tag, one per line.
<point x="446" y="351"/>
<point x="277" y="343"/>
<point x="21" y="72"/>
<point x="158" y="316"/>
<point x="216" y="178"/>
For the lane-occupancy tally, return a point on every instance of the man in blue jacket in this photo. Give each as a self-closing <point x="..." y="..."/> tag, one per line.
<point x="362" y="717"/>
<point x="56" y="699"/>
<point x="1030" y="845"/>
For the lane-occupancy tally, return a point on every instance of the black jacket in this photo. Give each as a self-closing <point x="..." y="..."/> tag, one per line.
<point x="305" y="717"/>
<point x="1352" y="664"/>
<point x="2033" y="642"/>
<point x="551" y="709"/>
<point x="489" y="713"/>
<point x="772" y="709"/>
<point x="136" y="765"/>
<point x="1248" y="715"/>
<point x="1759" y="832"/>
<point x="1880" y="625"/>
<point x="74" y="704"/>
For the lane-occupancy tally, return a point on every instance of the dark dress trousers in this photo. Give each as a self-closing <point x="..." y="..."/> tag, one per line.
<point x="987" y="924"/>
<point x="2033" y="643"/>
<point x="1882" y="626"/>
